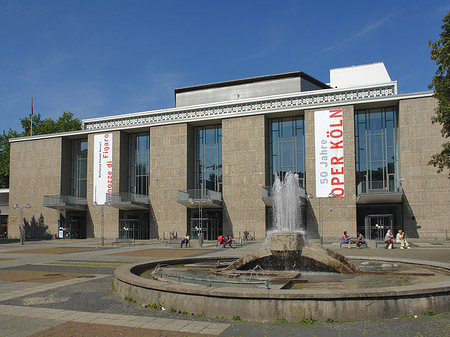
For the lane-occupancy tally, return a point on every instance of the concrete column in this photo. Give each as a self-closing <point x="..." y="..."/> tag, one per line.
<point x="168" y="174"/>
<point x="243" y="157"/>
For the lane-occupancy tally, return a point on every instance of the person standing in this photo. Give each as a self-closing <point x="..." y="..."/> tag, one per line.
<point x="401" y="239"/>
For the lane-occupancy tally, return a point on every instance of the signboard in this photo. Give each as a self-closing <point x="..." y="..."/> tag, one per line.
<point x="102" y="167"/>
<point x="329" y="151"/>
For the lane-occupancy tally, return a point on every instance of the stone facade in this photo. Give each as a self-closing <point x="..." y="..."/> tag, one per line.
<point x="168" y="174"/>
<point x="35" y="171"/>
<point x="427" y="193"/>
<point x="244" y="156"/>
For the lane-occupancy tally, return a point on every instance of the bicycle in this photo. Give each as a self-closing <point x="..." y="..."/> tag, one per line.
<point x="248" y="236"/>
<point x="228" y="240"/>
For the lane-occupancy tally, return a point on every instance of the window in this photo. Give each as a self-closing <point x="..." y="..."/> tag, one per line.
<point x="208" y="158"/>
<point x="376" y="149"/>
<point x="138" y="179"/>
<point x="79" y="167"/>
<point x="287" y="147"/>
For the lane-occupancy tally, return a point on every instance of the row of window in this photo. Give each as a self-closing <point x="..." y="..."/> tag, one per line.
<point x="375" y="150"/>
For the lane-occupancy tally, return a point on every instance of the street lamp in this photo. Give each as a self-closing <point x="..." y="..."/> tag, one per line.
<point x="22" y="228"/>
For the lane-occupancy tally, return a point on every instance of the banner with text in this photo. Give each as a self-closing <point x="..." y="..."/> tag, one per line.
<point x="102" y="167"/>
<point x="329" y="147"/>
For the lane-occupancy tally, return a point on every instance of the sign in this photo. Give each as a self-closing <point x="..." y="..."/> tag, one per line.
<point x="329" y="151"/>
<point x="102" y="167"/>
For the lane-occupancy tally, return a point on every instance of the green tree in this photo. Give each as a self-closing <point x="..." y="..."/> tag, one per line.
<point x="440" y="53"/>
<point x="66" y="122"/>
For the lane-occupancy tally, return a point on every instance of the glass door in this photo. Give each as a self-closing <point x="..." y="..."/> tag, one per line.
<point x="377" y="225"/>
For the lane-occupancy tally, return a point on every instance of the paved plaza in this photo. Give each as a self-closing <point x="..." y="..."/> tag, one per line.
<point x="65" y="288"/>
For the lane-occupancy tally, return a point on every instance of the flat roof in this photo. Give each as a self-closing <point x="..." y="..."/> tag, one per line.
<point x="249" y="80"/>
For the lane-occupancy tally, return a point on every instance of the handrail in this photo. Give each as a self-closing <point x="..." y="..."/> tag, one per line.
<point x="199" y="194"/>
<point x="158" y="269"/>
<point x="387" y="186"/>
<point x="64" y="199"/>
<point x="127" y="196"/>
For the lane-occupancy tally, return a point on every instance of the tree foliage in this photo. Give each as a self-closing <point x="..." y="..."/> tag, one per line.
<point x="440" y="53"/>
<point x="66" y="122"/>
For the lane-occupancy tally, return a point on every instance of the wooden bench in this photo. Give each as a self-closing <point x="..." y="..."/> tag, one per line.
<point x="118" y="241"/>
<point x="353" y="243"/>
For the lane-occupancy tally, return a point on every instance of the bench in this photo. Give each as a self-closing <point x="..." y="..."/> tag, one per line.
<point x="353" y="243"/>
<point x="118" y="241"/>
<point x="176" y="241"/>
<point x="382" y="243"/>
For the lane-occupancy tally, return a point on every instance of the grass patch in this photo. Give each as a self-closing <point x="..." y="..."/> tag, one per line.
<point x="130" y="299"/>
<point x="309" y="321"/>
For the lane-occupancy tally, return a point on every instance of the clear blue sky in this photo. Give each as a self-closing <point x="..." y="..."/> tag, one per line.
<point x="100" y="58"/>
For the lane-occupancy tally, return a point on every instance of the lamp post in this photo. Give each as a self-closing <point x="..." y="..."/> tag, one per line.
<point x="22" y="228"/>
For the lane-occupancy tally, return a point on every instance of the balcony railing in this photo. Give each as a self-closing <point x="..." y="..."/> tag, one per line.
<point x="191" y="198"/>
<point x="65" y="202"/>
<point x="391" y="186"/>
<point x="128" y="200"/>
<point x="379" y="192"/>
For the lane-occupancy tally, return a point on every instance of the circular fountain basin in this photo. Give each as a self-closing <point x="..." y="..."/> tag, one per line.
<point x="387" y="288"/>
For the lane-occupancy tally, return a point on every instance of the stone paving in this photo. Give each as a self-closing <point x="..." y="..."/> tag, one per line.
<point x="65" y="288"/>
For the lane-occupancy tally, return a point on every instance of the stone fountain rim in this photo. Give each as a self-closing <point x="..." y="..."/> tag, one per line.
<point x="125" y="274"/>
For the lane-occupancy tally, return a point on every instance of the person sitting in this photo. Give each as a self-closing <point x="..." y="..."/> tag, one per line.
<point x="359" y="240"/>
<point x="401" y="239"/>
<point x="346" y="239"/>
<point x="388" y="240"/>
<point x="185" y="240"/>
<point x="226" y="240"/>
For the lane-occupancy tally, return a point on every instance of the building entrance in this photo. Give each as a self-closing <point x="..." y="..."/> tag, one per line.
<point x="209" y="223"/>
<point x="374" y="220"/>
<point x="134" y="225"/>
<point x="73" y="226"/>
<point x="377" y="225"/>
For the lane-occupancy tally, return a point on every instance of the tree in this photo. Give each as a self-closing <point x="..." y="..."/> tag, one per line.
<point x="64" y="123"/>
<point x="440" y="53"/>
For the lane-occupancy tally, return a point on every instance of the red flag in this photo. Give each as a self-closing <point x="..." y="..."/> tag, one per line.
<point x="31" y="106"/>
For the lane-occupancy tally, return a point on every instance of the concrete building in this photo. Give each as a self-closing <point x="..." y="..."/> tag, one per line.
<point x="360" y="150"/>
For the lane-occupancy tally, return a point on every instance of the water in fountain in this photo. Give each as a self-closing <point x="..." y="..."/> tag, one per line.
<point x="286" y="204"/>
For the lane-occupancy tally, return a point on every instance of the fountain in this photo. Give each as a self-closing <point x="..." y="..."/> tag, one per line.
<point x="288" y="249"/>
<point x="291" y="279"/>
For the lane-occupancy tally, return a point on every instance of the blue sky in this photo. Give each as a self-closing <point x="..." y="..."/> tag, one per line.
<point x="100" y="58"/>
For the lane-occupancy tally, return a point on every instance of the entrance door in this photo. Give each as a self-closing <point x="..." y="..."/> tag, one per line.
<point x="134" y="225"/>
<point x="73" y="227"/>
<point x="377" y="225"/>
<point x="209" y="223"/>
